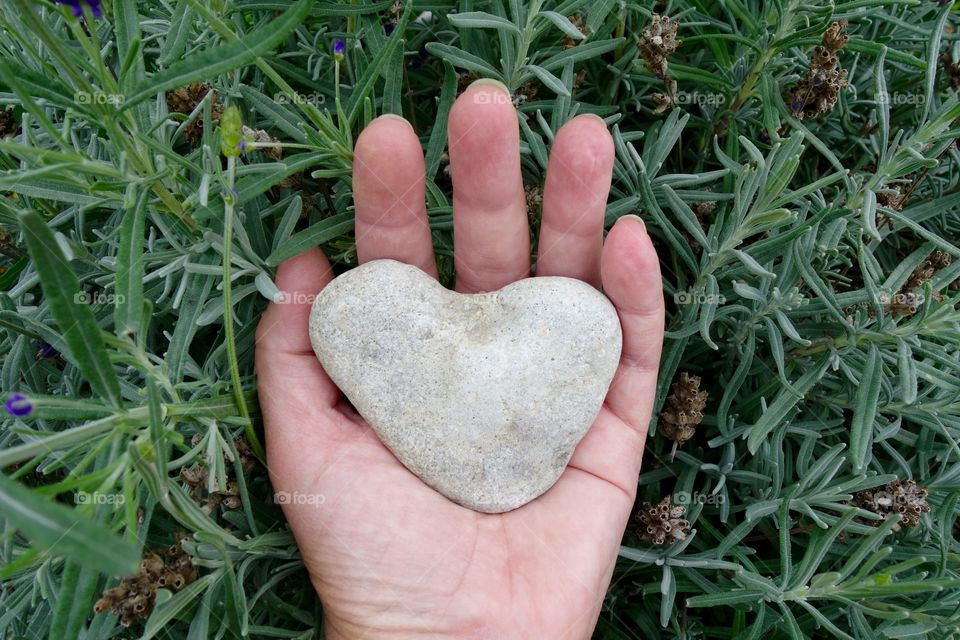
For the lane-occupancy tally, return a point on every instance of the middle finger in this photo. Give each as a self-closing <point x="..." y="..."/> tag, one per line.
<point x="490" y="232"/>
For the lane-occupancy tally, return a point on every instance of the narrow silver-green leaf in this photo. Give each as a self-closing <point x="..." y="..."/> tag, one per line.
<point x="908" y="372"/>
<point x="865" y="410"/>
<point x="783" y="404"/>
<point x="708" y="310"/>
<point x="209" y="63"/>
<point x="563" y="23"/>
<point x="482" y="20"/>
<point x="74" y="600"/>
<point x="128" y="307"/>
<point x="61" y="288"/>
<point x="438" y="135"/>
<point x="752" y="265"/>
<point x="551" y="81"/>
<point x="364" y="85"/>
<point x="317" y="234"/>
<point x="65" y="532"/>
<point x="464" y="60"/>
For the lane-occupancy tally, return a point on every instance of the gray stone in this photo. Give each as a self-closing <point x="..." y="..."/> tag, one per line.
<point x="482" y="396"/>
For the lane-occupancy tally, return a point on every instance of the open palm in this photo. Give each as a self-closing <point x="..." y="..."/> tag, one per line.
<point x="388" y="556"/>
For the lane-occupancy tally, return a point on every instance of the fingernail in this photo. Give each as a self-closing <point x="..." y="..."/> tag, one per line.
<point x="393" y="116"/>
<point x="631" y="216"/>
<point x="490" y="82"/>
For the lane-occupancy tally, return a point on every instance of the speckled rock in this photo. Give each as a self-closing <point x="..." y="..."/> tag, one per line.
<point x="482" y="396"/>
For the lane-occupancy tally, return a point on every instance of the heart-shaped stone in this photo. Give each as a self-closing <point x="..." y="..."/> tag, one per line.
<point x="482" y="396"/>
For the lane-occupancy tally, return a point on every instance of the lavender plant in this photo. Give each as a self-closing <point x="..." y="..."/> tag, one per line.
<point x="796" y="163"/>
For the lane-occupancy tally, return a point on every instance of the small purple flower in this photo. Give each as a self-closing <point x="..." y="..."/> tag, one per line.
<point x="339" y="48"/>
<point x="45" y="350"/>
<point x="76" y="6"/>
<point x="18" y="405"/>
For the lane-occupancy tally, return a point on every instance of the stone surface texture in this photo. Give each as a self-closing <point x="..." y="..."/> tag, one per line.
<point x="483" y="396"/>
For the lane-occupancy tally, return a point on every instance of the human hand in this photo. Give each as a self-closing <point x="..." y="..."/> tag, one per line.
<point x="389" y="556"/>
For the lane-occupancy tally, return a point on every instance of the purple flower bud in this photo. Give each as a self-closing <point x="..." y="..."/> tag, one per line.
<point x="76" y="6"/>
<point x="18" y="405"/>
<point x="339" y="48"/>
<point x="45" y="350"/>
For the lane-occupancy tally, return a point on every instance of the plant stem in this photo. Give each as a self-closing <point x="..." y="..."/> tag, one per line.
<point x="513" y="81"/>
<point x="228" y="210"/>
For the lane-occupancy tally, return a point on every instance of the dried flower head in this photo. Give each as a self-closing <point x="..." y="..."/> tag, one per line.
<point x="903" y="497"/>
<point x="9" y="125"/>
<point x="662" y="523"/>
<point x="464" y="80"/>
<point x="134" y="597"/>
<point x="526" y="92"/>
<point x="703" y="209"/>
<point x="185" y="100"/>
<point x="835" y="37"/>
<point x="817" y="93"/>
<point x="904" y="303"/>
<point x="926" y="270"/>
<point x="579" y="78"/>
<point x="395" y="12"/>
<point x="196" y="478"/>
<point x="259" y="136"/>
<point x="666" y="100"/>
<point x="909" y="299"/>
<point x="891" y="198"/>
<point x="658" y="41"/>
<point x="951" y="70"/>
<point x="534" y="198"/>
<point x="248" y="459"/>
<point x="577" y="20"/>
<point x="684" y="410"/>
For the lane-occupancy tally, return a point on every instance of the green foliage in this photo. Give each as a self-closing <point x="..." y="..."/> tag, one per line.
<point x="138" y="260"/>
